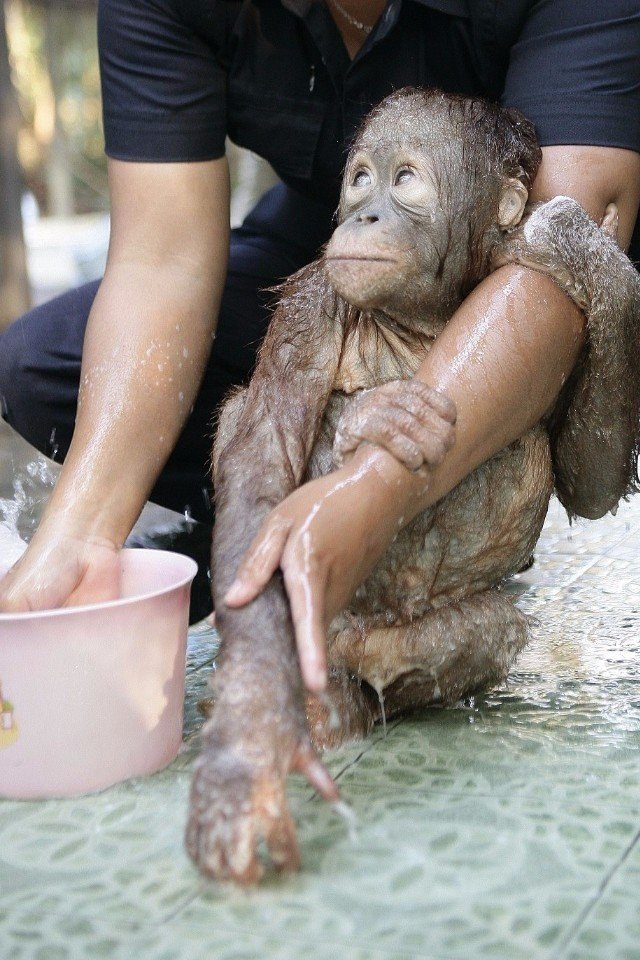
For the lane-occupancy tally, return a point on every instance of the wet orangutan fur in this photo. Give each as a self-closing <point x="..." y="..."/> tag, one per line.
<point x="434" y="190"/>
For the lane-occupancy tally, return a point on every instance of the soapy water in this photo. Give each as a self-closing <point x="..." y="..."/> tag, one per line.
<point x="350" y="818"/>
<point x="20" y="514"/>
<point x="576" y="685"/>
<point x="11" y="547"/>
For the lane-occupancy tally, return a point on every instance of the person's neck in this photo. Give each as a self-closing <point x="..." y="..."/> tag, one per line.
<point x="355" y="19"/>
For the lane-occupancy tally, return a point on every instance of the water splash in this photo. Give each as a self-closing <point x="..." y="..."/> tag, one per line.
<point x="350" y="818"/>
<point x="54" y="446"/>
<point x="32" y="487"/>
<point x="191" y="523"/>
<point x="11" y="547"/>
<point x="380" y="691"/>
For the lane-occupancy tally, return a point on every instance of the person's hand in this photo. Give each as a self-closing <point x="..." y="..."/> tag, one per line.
<point x="61" y="569"/>
<point x="406" y="417"/>
<point x="326" y="537"/>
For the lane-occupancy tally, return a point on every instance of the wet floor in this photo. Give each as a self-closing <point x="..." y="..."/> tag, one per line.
<point x="505" y="828"/>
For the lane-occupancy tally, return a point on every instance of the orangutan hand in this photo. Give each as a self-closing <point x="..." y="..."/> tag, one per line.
<point x="414" y="423"/>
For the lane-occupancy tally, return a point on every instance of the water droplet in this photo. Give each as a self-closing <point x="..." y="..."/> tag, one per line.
<point x="350" y="818"/>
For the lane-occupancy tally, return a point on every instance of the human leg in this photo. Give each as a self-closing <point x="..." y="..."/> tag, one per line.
<point x="40" y="370"/>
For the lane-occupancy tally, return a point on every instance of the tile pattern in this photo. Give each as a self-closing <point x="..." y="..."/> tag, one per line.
<point x="508" y="827"/>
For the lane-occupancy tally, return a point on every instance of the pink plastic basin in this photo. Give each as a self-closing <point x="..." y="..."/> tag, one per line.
<point x="93" y="695"/>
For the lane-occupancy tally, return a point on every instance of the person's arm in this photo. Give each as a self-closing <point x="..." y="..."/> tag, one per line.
<point x="502" y="359"/>
<point x="510" y="347"/>
<point x="147" y="342"/>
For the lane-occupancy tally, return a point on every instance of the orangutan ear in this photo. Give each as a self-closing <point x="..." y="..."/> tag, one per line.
<point x="513" y="200"/>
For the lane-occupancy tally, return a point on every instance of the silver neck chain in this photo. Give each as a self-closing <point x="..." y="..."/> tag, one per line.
<point x="358" y="24"/>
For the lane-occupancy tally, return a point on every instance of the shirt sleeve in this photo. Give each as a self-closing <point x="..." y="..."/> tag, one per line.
<point x="575" y="72"/>
<point x="163" y="86"/>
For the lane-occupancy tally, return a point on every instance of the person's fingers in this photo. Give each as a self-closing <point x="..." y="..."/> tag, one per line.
<point x="38" y="585"/>
<point x="259" y="563"/>
<point x="12" y="600"/>
<point x="306" y="592"/>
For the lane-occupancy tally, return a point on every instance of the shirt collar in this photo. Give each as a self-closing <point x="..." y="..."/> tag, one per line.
<point x="456" y="8"/>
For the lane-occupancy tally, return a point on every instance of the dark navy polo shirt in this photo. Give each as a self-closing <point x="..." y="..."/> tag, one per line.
<point x="178" y="76"/>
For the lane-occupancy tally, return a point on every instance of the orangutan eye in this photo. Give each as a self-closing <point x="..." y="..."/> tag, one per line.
<point x="361" y="178"/>
<point x="403" y="175"/>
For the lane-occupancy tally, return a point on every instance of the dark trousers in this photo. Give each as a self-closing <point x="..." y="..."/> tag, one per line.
<point x="40" y="352"/>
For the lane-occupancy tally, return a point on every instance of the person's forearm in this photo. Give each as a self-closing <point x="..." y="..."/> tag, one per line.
<point x="503" y="359"/>
<point x="146" y="345"/>
<point x="505" y="354"/>
<point x="147" y="341"/>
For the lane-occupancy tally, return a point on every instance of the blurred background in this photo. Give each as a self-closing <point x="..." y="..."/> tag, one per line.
<point x="54" y="221"/>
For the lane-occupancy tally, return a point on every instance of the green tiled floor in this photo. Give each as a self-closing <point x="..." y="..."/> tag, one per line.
<point x="506" y="828"/>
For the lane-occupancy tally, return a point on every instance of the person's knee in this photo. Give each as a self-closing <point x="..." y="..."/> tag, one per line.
<point x="20" y="403"/>
<point x="40" y="355"/>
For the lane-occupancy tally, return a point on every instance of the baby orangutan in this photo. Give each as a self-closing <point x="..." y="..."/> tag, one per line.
<point x="434" y="189"/>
